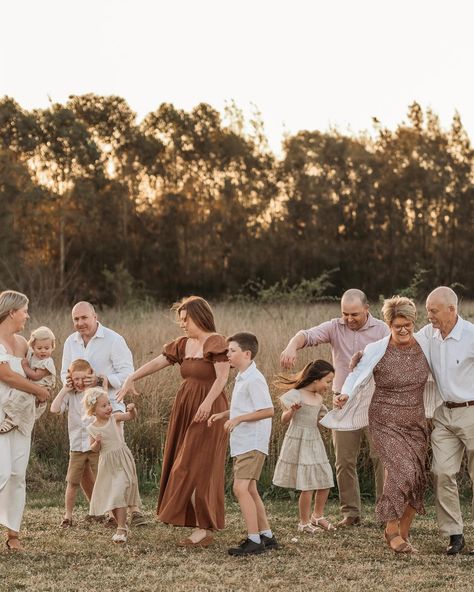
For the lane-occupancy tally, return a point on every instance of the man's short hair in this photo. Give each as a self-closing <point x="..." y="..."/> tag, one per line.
<point x="246" y="342"/>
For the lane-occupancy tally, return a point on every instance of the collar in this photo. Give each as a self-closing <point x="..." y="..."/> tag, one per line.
<point x="98" y="333"/>
<point x="456" y="331"/>
<point x="246" y="373"/>
<point x="371" y="322"/>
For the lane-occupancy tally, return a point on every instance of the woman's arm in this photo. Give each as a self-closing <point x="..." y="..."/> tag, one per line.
<point x="150" y="367"/>
<point x="222" y="374"/>
<point x="20" y="383"/>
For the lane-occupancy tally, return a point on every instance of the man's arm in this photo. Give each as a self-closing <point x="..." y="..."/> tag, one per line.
<point x="66" y="361"/>
<point x="305" y="338"/>
<point x="122" y="363"/>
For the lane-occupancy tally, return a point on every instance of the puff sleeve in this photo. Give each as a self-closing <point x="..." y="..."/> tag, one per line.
<point x="290" y="397"/>
<point x="215" y="349"/>
<point x="174" y="351"/>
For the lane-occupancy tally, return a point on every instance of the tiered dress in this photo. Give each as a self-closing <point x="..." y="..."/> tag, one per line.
<point x="194" y="456"/>
<point x="303" y="463"/>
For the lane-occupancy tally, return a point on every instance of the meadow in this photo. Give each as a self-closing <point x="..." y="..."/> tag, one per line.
<point x="84" y="558"/>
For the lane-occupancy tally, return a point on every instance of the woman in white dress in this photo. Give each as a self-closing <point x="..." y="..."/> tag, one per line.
<point x="14" y="446"/>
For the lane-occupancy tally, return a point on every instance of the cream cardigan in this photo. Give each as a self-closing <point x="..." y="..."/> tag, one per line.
<point x="360" y="386"/>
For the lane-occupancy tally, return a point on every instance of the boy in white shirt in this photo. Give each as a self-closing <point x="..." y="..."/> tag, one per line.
<point x="249" y="423"/>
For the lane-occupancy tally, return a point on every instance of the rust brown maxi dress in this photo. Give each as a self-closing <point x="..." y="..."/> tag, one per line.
<point x="398" y="427"/>
<point x="194" y="456"/>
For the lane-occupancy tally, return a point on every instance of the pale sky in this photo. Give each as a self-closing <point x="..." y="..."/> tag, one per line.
<point x="306" y="64"/>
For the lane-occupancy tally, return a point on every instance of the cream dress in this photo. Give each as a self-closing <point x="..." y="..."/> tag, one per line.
<point x="303" y="462"/>
<point x="14" y="453"/>
<point x="116" y="485"/>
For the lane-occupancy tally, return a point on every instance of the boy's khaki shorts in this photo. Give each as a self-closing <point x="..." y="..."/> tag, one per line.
<point x="77" y="464"/>
<point x="249" y="465"/>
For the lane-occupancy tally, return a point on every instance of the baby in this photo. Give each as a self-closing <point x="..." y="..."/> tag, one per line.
<point x="19" y="408"/>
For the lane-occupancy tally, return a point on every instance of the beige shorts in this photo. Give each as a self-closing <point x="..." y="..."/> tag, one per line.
<point x="249" y="465"/>
<point x="77" y="464"/>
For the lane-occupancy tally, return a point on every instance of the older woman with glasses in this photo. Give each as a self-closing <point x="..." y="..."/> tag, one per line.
<point x="389" y="391"/>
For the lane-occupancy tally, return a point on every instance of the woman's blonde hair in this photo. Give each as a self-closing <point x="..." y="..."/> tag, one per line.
<point x="11" y="300"/>
<point x="398" y="306"/>
<point x="90" y="398"/>
<point x="42" y="333"/>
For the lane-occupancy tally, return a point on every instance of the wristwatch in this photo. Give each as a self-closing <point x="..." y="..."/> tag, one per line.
<point x="100" y="381"/>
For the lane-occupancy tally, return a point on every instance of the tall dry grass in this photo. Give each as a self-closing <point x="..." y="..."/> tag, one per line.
<point x="146" y="331"/>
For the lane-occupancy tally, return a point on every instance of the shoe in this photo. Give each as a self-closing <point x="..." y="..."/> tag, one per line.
<point x="456" y="544"/>
<point x="247" y="547"/>
<point x="13" y="549"/>
<point x="349" y="521"/>
<point x="322" y="522"/>
<point x="138" y="519"/>
<point x="308" y="528"/>
<point x="121" y="538"/>
<point x="66" y="523"/>
<point x="402" y="547"/>
<point x="205" y="542"/>
<point x="269" y="542"/>
<point x="7" y="425"/>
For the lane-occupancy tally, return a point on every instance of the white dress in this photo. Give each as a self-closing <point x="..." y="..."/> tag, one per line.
<point x="14" y="456"/>
<point x="303" y="462"/>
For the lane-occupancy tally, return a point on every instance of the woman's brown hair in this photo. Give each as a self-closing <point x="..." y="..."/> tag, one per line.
<point x="198" y="310"/>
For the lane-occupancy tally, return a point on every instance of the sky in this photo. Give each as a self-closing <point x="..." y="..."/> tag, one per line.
<point x="305" y="64"/>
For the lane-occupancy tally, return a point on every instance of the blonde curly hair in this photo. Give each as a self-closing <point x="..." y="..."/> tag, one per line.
<point x="90" y="398"/>
<point x="398" y="306"/>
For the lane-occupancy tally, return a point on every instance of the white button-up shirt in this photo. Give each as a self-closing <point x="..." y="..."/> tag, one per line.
<point x="250" y="394"/>
<point x="76" y="424"/>
<point x="452" y="360"/>
<point x="108" y="354"/>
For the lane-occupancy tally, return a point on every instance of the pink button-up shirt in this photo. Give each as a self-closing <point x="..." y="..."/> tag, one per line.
<point x="344" y="342"/>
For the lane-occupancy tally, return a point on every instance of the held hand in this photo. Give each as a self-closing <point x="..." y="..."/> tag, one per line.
<point x="295" y="407"/>
<point x="230" y="424"/>
<point x="90" y="380"/>
<point x="288" y="357"/>
<point x="131" y="407"/>
<point x="43" y="395"/>
<point x="340" y="400"/>
<point x="24" y="363"/>
<point x="98" y="438"/>
<point x="355" y="359"/>
<point x="127" y="387"/>
<point x="214" y="417"/>
<point x="203" y="412"/>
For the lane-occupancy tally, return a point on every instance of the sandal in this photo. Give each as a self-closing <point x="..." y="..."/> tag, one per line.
<point x="66" y="523"/>
<point x="322" y="522"/>
<point x="7" y="425"/>
<point x="404" y="547"/>
<point x="309" y="528"/>
<point x="121" y="538"/>
<point x="13" y="538"/>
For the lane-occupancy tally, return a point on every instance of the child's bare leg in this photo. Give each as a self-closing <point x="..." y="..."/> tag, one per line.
<point x="247" y="504"/>
<point x="120" y="515"/>
<point x="305" y="506"/>
<point x="198" y="533"/>
<point x="69" y="499"/>
<point x="262" y="519"/>
<point x="320" y="499"/>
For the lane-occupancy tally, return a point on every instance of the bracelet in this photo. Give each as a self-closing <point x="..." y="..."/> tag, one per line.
<point x="100" y="381"/>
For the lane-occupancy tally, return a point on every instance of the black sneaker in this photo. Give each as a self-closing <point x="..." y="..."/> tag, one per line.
<point x="247" y="547"/>
<point x="269" y="542"/>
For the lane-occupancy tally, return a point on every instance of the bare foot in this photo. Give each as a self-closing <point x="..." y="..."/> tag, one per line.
<point x="198" y="534"/>
<point x="14" y="544"/>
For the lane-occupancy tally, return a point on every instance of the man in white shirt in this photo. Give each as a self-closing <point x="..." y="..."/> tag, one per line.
<point x="108" y="354"/>
<point x="451" y="349"/>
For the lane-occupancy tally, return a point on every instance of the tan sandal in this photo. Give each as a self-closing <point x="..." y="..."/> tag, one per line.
<point x="13" y="549"/>
<point x="402" y="547"/>
<point x="121" y="538"/>
<point x="7" y="425"/>
<point x="66" y="523"/>
<point x="308" y="528"/>
<point x="322" y="522"/>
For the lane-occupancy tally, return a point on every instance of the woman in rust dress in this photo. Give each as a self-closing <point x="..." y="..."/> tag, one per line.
<point x="192" y="478"/>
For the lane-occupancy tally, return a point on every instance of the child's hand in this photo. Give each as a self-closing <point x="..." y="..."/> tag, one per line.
<point x="131" y="407"/>
<point x="24" y="363"/>
<point x="98" y="438"/>
<point x="340" y="400"/>
<point x="214" y="417"/>
<point x="69" y="383"/>
<point x="295" y="407"/>
<point x="230" y="424"/>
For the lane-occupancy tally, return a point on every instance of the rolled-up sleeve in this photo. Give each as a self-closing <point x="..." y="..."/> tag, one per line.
<point x="122" y="363"/>
<point x="317" y="335"/>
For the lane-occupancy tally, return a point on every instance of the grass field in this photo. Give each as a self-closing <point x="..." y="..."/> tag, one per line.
<point x="84" y="558"/>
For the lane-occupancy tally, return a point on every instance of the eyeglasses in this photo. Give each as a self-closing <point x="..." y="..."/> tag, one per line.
<point x="399" y="328"/>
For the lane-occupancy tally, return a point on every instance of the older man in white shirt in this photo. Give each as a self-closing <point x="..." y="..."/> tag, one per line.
<point x="450" y="341"/>
<point x="108" y="354"/>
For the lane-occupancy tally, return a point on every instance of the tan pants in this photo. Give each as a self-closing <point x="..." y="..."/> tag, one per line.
<point x="347" y="446"/>
<point x="453" y="434"/>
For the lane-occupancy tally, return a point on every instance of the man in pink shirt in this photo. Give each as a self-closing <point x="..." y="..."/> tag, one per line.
<point x="347" y="335"/>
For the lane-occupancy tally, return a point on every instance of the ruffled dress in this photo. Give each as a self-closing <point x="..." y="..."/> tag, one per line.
<point x="116" y="485"/>
<point x="194" y="455"/>
<point x="303" y="463"/>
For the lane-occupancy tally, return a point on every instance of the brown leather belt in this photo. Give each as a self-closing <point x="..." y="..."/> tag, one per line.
<point x="451" y="405"/>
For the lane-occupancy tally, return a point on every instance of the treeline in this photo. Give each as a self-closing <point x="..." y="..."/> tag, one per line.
<point x="95" y="205"/>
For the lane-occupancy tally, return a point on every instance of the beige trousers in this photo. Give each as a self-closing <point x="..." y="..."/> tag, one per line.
<point x="347" y="446"/>
<point x="453" y="434"/>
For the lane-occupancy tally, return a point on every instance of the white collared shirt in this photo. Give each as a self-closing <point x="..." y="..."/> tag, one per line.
<point x="107" y="353"/>
<point x="77" y="425"/>
<point x="452" y="360"/>
<point x="250" y="394"/>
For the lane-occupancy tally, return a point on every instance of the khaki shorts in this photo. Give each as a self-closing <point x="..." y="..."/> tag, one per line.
<point x="77" y="464"/>
<point x="249" y="465"/>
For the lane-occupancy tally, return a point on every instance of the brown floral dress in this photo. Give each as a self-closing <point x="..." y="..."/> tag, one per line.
<point x="194" y="456"/>
<point x="399" y="430"/>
